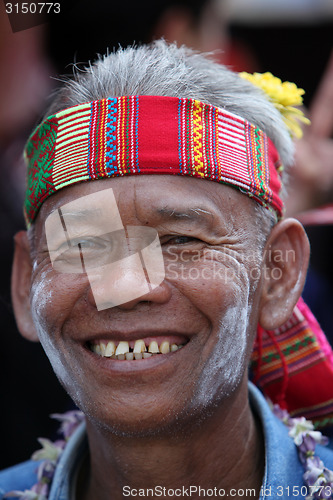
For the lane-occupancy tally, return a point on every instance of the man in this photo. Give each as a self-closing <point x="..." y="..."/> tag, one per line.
<point x="145" y="284"/>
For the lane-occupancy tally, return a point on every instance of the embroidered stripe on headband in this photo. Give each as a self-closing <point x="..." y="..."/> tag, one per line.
<point x="133" y="135"/>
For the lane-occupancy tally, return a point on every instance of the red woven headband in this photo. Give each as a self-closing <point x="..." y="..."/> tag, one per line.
<point x="150" y="135"/>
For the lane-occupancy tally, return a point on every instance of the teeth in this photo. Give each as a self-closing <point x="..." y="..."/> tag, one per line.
<point x="165" y="347"/>
<point x="122" y="348"/>
<point x="153" y="347"/>
<point x="110" y="349"/>
<point x="97" y="349"/>
<point x="139" y="346"/>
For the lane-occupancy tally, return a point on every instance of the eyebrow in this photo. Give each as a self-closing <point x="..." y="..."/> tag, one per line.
<point x="198" y="214"/>
<point x="79" y="214"/>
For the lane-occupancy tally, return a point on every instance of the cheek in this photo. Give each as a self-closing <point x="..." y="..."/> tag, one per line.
<point x="227" y="349"/>
<point x="41" y="298"/>
<point x="52" y="298"/>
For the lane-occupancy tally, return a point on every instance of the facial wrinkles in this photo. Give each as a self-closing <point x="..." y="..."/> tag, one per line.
<point x="225" y="366"/>
<point x="41" y="299"/>
<point x="243" y="248"/>
<point x="229" y="354"/>
<point x="41" y="295"/>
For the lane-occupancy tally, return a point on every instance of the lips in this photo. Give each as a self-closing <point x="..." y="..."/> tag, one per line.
<point x="135" y="350"/>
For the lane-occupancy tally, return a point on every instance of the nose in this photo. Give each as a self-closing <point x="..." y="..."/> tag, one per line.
<point x="159" y="294"/>
<point x="127" y="282"/>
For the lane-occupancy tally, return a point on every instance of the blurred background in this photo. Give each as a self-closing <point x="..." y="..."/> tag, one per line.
<point x="291" y="38"/>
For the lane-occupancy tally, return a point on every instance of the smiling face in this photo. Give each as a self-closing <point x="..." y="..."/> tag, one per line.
<point x="208" y="303"/>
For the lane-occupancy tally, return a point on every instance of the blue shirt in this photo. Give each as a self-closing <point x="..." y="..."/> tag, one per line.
<point x="283" y="476"/>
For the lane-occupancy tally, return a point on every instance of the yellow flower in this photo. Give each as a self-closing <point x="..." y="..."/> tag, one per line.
<point x="285" y="96"/>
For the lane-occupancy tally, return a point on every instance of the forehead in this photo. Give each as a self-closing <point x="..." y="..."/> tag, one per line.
<point x="157" y="197"/>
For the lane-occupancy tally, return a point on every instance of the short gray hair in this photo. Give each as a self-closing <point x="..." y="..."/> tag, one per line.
<point x="167" y="70"/>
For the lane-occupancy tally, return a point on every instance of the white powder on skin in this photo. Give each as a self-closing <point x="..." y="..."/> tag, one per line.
<point x="41" y="299"/>
<point x="41" y="296"/>
<point x="225" y="366"/>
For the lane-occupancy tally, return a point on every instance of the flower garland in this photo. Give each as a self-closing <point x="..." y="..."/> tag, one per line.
<point x="284" y="96"/>
<point x="317" y="478"/>
<point x="50" y="454"/>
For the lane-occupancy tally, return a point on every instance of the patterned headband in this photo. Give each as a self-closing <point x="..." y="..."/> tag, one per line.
<point x="150" y="135"/>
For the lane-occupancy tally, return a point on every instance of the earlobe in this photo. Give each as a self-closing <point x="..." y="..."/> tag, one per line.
<point x="286" y="258"/>
<point x="21" y="279"/>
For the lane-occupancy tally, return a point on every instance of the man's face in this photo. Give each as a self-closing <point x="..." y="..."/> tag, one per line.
<point x="207" y="303"/>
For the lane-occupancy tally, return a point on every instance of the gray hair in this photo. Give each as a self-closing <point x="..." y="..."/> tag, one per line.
<point x="167" y="70"/>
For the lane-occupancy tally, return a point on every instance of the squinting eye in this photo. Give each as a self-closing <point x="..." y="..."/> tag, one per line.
<point x="90" y="243"/>
<point x="91" y="247"/>
<point x="95" y="251"/>
<point x="182" y="240"/>
<point x="74" y="243"/>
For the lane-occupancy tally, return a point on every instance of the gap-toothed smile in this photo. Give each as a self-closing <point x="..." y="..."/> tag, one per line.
<point x="134" y="350"/>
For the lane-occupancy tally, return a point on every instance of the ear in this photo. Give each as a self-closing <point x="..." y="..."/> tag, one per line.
<point x="21" y="279"/>
<point x="286" y="259"/>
